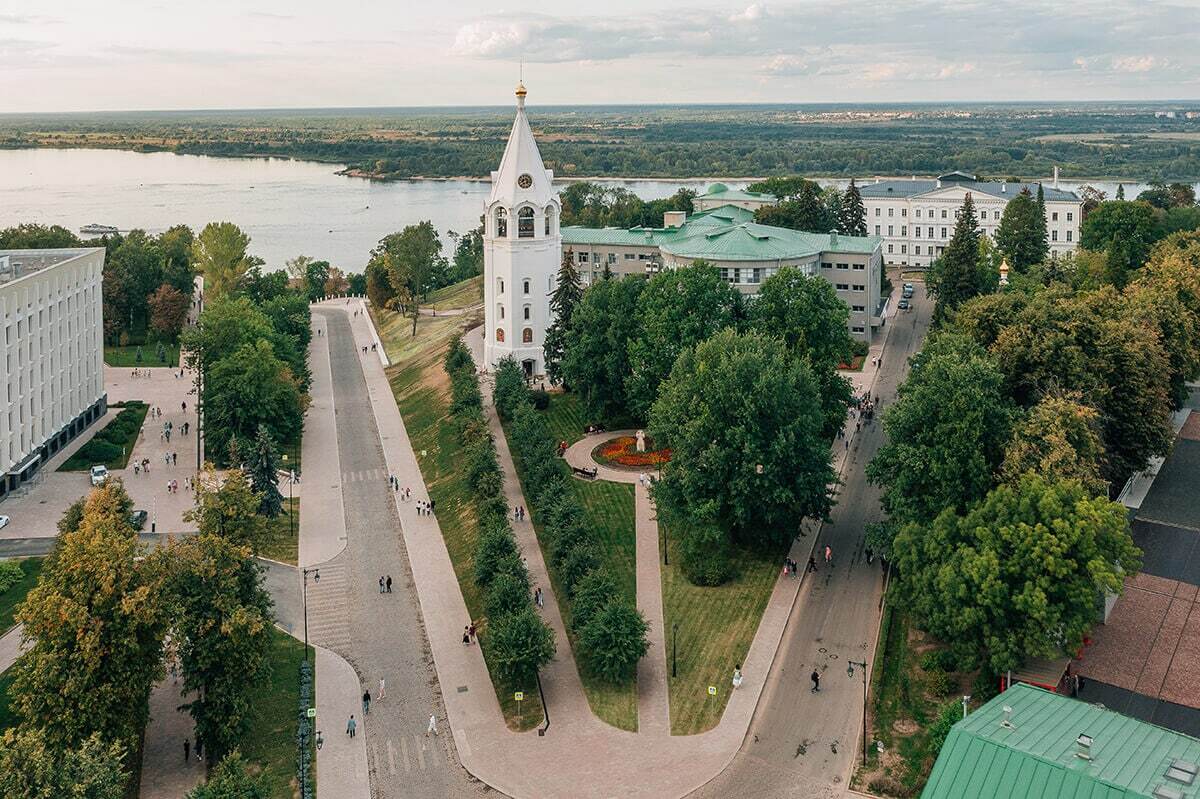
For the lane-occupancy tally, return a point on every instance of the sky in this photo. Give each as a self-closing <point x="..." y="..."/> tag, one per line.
<point x="76" y="55"/>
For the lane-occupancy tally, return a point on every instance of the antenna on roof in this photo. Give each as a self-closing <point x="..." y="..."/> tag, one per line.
<point x="1007" y="723"/>
<point x="1084" y="742"/>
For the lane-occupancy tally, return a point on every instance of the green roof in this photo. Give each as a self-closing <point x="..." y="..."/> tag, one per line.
<point x="719" y="191"/>
<point x="728" y="233"/>
<point x="1034" y="756"/>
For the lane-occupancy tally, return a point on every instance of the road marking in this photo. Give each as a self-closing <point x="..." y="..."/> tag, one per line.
<point x="421" y="756"/>
<point x="404" y="752"/>
<point x="391" y="757"/>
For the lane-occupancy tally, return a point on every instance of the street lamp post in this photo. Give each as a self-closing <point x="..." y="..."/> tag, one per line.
<point x="674" y="641"/>
<point x="862" y="664"/>
<point x="304" y="592"/>
<point x="291" y="516"/>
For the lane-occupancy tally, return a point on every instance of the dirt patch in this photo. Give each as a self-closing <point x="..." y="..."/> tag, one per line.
<point x="905" y="726"/>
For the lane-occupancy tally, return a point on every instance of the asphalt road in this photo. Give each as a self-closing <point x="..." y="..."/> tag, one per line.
<point x="386" y="635"/>
<point x="801" y="743"/>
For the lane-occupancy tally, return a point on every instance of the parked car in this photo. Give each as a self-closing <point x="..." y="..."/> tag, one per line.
<point x="3" y="522"/>
<point x="99" y="475"/>
<point x="907" y="291"/>
<point x="903" y="305"/>
<point x="138" y="519"/>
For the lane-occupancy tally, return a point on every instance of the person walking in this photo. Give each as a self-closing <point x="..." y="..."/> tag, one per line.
<point x="381" y="585"/>
<point x="199" y="749"/>
<point x="388" y="584"/>
<point x="367" y="702"/>
<point x="382" y="685"/>
<point x="828" y="555"/>
<point x="737" y="676"/>
<point x="187" y="750"/>
<point x="432" y="728"/>
<point x="351" y="725"/>
<point x="466" y="635"/>
<point x="816" y="680"/>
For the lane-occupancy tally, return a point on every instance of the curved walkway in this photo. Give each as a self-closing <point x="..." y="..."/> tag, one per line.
<point x="654" y="705"/>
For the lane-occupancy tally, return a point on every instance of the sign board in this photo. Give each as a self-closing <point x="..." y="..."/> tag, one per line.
<point x="312" y="712"/>
<point x="519" y="696"/>
<point x="712" y="690"/>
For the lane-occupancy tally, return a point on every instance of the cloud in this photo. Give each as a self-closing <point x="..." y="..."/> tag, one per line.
<point x="786" y="66"/>
<point x="27" y="19"/>
<point x="954" y="70"/>
<point x="1137" y="63"/>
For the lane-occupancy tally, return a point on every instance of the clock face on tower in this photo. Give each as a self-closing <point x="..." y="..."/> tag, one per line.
<point x="525" y="181"/>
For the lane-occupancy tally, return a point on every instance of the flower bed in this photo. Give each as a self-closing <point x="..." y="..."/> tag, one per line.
<point x="622" y="451"/>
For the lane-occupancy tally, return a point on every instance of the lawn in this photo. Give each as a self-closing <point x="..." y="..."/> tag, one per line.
<point x="113" y="444"/>
<point x="716" y="627"/>
<point x="271" y="740"/>
<point x="421" y="389"/>
<point x="127" y="356"/>
<point x="283" y="533"/>
<point x="16" y="593"/>
<point x="466" y="294"/>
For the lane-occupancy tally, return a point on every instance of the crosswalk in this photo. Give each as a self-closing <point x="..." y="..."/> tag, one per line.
<point x="328" y="618"/>
<point x="408" y="754"/>
<point x="365" y="476"/>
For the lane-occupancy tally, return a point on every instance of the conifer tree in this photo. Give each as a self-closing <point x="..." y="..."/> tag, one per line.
<point x="852" y="221"/>
<point x="564" y="300"/>
<point x="956" y="276"/>
<point x="1120" y="191"/>
<point x="1043" y="233"/>
<point x="1022" y="232"/>
<point x="264" y="474"/>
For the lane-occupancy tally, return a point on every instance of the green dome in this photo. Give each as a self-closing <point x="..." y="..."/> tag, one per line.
<point x="717" y="188"/>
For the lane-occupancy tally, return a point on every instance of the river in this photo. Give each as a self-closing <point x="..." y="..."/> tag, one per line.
<point x="287" y="207"/>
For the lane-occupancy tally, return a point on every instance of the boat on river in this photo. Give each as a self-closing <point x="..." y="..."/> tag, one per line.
<point x="98" y="230"/>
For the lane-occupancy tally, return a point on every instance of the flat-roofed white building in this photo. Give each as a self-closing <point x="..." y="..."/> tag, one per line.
<point x="915" y="217"/>
<point x="51" y="364"/>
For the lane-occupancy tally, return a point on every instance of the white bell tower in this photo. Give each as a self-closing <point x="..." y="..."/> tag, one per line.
<point x="522" y="248"/>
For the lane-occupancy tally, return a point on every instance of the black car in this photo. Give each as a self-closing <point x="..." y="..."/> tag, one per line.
<point x="138" y="519"/>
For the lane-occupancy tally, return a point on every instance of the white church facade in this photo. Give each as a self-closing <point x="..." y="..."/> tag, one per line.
<point x="522" y="248"/>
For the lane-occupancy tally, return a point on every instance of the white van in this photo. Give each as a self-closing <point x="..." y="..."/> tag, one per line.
<point x="99" y="475"/>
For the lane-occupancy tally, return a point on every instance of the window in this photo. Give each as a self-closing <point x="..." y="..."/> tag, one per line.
<point x="918" y="213"/>
<point x="527" y="335"/>
<point x="583" y="257"/>
<point x="859" y="287"/>
<point x="826" y="265"/>
<point x="1053" y="235"/>
<point x="527" y="312"/>
<point x="904" y="230"/>
<point x="917" y="231"/>
<point x="1070" y="216"/>
<point x="858" y="308"/>
<point x="843" y="286"/>
<point x="931" y="233"/>
<point x="890" y="248"/>
<point x="877" y="230"/>
<point x="891" y="212"/>
<point x="1054" y="216"/>
<point x="549" y="218"/>
<point x="943" y="233"/>
<point x="876" y="211"/>
<point x="943" y="213"/>
<point x="859" y="267"/>
<point x="501" y="227"/>
<point x="500" y="311"/>
<point x="525" y="223"/>
<point x="843" y="266"/>
<point x="612" y="258"/>
<point x="500" y="334"/>
<point x="1068" y="235"/>
<point x="525" y="285"/>
<point x="890" y="233"/>
<point x="858" y="329"/>
<point x="630" y="256"/>
<point x="903" y="249"/>
<point x="500" y="285"/>
<point x="904" y="212"/>
<point x="917" y="250"/>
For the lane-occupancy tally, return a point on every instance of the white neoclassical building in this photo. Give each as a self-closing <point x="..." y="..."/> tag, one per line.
<point x="522" y="249"/>
<point x="51" y="367"/>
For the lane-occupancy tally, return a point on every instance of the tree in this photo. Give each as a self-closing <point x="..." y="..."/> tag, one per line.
<point x="1021" y="235"/>
<point x="807" y="212"/>
<point x="316" y="275"/>
<point x="1058" y="439"/>
<point x="168" y="311"/>
<point x="1120" y="191"/>
<point x="297" y="268"/>
<point x="32" y="236"/>
<point x="743" y="421"/>
<point x="412" y="259"/>
<point x="231" y="779"/>
<point x="176" y="246"/>
<point x="264" y="474"/>
<point x="358" y="283"/>
<point x="259" y="286"/>
<point x="509" y="388"/>
<point x="946" y="431"/>
<point x="1166" y="293"/>
<point x="73" y="516"/>
<point x="1020" y="575"/>
<point x="596" y="353"/>
<point x="679" y="308"/>
<point x="228" y="509"/>
<point x="220" y="255"/>
<point x="613" y="641"/>
<point x="1127" y="230"/>
<point x="520" y="644"/>
<point x="223" y="634"/>
<point x="336" y="283"/>
<point x="564" y="300"/>
<point x="956" y="276"/>
<point x="1092" y="197"/>
<point x="95" y="623"/>
<point x="33" y="768"/>
<point x="853" y="219"/>
<point x="468" y="255"/>
<point x="248" y="389"/>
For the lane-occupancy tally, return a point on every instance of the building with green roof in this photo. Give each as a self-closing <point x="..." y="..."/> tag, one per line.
<point x="718" y="194"/>
<point x="745" y="252"/>
<point x="1029" y="743"/>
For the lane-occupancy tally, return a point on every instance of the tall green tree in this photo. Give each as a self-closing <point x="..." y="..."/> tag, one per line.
<point x="1127" y="230"/>
<point x="248" y="389"/>
<point x="956" y="276"/>
<point x="1059" y="439"/>
<point x="32" y="236"/>
<point x="264" y="474"/>
<point x="232" y="779"/>
<point x="220" y="254"/>
<point x="520" y="644"/>
<point x="613" y="641"/>
<point x="564" y="300"/>
<point x="95" y="623"/>
<point x="228" y="509"/>
<point x="596" y="353"/>
<point x="1021" y="235"/>
<point x="176" y="245"/>
<point x="1018" y="576"/>
<point x="852" y="221"/>
<point x="743" y="421"/>
<point x="223" y="633"/>
<point x="678" y="308"/>
<point x="413" y="260"/>
<point x="468" y="255"/>
<point x="946" y="431"/>
<point x="807" y="212"/>
<point x="33" y="768"/>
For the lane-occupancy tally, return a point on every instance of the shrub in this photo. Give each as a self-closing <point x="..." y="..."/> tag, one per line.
<point x="704" y="554"/>
<point x="96" y="451"/>
<point x="464" y="394"/>
<point x="613" y="641"/>
<point x="940" y="684"/>
<point x="540" y="399"/>
<point x="594" y="591"/>
<point x="507" y="594"/>
<point x="520" y="644"/>
<point x="495" y="544"/>
<point x="575" y="565"/>
<point x="938" y="660"/>
<point x="458" y="357"/>
<point x="859" y="348"/>
<point x="509" y="390"/>
<point x="947" y="716"/>
<point x="11" y="573"/>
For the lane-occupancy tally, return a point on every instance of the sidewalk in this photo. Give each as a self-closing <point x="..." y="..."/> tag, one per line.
<point x="11" y="647"/>
<point x="165" y="774"/>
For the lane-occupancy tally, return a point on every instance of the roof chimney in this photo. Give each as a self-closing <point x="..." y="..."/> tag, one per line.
<point x="833" y="238"/>
<point x="939" y="183"/>
<point x="674" y="218"/>
<point x="1084" y="742"/>
<point x="1004" y="187"/>
<point x="1056" y="177"/>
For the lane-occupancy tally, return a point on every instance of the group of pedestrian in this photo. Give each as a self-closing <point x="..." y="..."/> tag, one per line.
<point x="145" y="374"/>
<point x="539" y="598"/>
<point x="425" y="507"/>
<point x="187" y="750"/>
<point x="469" y="634"/>
<point x="171" y="458"/>
<point x="172" y="486"/>
<point x="519" y="513"/>
<point x="141" y="466"/>
<point x="790" y="566"/>
<point x="385" y="584"/>
<point x="165" y="433"/>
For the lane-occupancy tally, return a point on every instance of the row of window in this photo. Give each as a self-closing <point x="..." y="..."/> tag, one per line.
<point x="945" y="212"/>
<point x="856" y="267"/>
<point x="526" y="335"/>
<point x="945" y="232"/>
<point x="524" y="222"/>
<point x="528" y="310"/>
<point x="849" y="287"/>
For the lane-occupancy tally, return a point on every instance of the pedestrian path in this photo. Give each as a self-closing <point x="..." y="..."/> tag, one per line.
<point x="328" y="616"/>
<point x="165" y="772"/>
<point x="654" y="715"/>
<point x="11" y="647"/>
<point x="341" y="760"/>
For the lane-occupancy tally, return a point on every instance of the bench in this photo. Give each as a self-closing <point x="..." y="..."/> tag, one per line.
<point x="586" y="474"/>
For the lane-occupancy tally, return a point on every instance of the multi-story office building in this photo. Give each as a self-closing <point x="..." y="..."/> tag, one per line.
<point x="52" y="383"/>
<point x="915" y="217"/>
